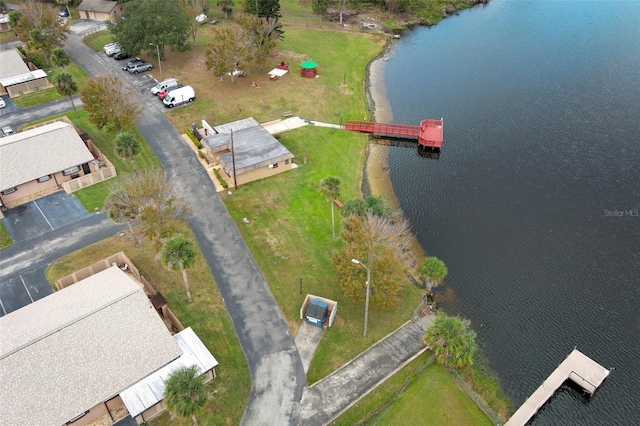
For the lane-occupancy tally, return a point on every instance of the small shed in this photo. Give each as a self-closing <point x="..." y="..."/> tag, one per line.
<point x="317" y="310"/>
<point x="99" y="10"/>
<point x="308" y="69"/>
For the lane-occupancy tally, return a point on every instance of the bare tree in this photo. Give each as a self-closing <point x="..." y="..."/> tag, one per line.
<point x="39" y="26"/>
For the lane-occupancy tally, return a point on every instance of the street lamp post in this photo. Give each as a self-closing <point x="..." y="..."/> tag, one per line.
<point x="366" y="305"/>
<point x="159" y="63"/>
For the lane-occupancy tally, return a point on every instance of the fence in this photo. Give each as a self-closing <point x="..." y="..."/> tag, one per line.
<point x="90" y="179"/>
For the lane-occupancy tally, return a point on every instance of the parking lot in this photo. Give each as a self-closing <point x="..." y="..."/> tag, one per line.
<point x="42" y="215"/>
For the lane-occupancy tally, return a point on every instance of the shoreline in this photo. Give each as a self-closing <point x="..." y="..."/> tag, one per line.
<point x="377" y="172"/>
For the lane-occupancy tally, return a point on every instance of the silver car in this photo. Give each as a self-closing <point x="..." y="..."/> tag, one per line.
<point x="139" y="67"/>
<point x="6" y="131"/>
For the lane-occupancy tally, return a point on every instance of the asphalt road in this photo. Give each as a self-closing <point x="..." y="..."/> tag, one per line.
<point x="277" y="376"/>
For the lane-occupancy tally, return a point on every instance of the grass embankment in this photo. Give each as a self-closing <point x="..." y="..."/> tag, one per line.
<point x="206" y="315"/>
<point x="44" y="96"/>
<point x="422" y="393"/>
<point x="5" y="239"/>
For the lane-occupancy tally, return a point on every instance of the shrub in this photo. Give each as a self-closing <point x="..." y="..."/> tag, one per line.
<point x="220" y="179"/>
<point x="193" y="138"/>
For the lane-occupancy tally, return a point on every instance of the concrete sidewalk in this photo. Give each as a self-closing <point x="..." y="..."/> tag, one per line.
<point x="330" y="397"/>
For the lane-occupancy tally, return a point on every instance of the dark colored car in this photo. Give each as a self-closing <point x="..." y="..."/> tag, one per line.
<point x="132" y="63"/>
<point x="121" y="55"/>
<point x="64" y="12"/>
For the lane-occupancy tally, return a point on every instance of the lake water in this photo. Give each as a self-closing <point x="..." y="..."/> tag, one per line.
<point x="534" y="204"/>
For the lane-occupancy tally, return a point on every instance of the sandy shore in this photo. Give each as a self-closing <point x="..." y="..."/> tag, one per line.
<point x="377" y="170"/>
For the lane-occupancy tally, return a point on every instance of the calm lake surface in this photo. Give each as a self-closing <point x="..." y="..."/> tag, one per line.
<point x="534" y="204"/>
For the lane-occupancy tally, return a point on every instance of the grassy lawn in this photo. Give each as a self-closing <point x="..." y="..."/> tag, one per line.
<point x="206" y="315"/>
<point x="416" y="396"/>
<point x="5" y="240"/>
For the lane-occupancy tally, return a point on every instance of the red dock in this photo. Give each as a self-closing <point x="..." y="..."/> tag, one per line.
<point x="429" y="133"/>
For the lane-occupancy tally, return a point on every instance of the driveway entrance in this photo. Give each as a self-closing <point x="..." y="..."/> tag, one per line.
<point x="42" y="215"/>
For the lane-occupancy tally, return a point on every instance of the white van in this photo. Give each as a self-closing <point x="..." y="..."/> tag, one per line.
<point x="179" y="96"/>
<point x="170" y="82"/>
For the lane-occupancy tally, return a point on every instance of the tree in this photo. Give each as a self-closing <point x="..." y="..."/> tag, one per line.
<point x="179" y="253"/>
<point x="127" y="146"/>
<point x="264" y="36"/>
<point x="66" y="85"/>
<point x="269" y="11"/>
<point x="226" y="6"/>
<point x="433" y="271"/>
<point x="185" y="392"/>
<point x="232" y="45"/>
<point x="319" y="7"/>
<point x="193" y="8"/>
<point x="149" y="197"/>
<point x="452" y="340"/>
<point x="109" y="103"/>
<point x="60" y="58"/>
<point x="383" y="245"/>
<point x="165" y="23"/>
<point x="375" y="204"/>
<point x="39" y="26"/>
<point x="330" y="190"/>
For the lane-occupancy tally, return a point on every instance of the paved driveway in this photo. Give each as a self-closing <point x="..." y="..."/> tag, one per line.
<point x="43" y="215"/>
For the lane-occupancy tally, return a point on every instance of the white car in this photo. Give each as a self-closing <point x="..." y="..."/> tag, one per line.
<point x="6" y="131"/>
<point x="111" y="48"/>
<point x="201" y="19"/>
<point x="2" y="103"/>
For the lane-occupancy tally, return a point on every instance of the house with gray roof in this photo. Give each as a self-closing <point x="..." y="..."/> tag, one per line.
<point x="39" y="161"/>
<point x="99" y="10"/>
<point x="16" y="77"/>
<point x="254" y="153"/>
<point x="88" y="352"/>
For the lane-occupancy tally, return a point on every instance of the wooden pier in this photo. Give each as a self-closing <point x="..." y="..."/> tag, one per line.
<point x="577" y="367"/>
<point x="429" y="133"/>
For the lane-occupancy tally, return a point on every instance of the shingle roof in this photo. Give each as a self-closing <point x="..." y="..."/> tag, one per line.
<point x="150" y="391"/>
<point x="11" y="64"/>
<point x="26" y="156"/>
<point x="78" y="347"/>
<point x="97" y="5"/>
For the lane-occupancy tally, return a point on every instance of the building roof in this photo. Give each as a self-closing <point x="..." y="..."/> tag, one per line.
<point x="254" y="147"/>
<point x="28" y="155"/>
<point x="11" y="64"/>
<point x="97" y="6"/>
<point x="150" y="391"/>
<point x="78" y="347"/>
<point x="21" y="78"/>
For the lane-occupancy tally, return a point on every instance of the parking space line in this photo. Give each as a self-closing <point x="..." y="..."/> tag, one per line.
<point x="2" y="306"/>
<point x="25" y="287"/>
<point x="45" y="218"/>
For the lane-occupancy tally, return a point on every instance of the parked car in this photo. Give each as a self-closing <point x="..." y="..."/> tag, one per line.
<point x="201" y="19"/>
<point x="121" y="55"/>
<point x="112" y="48"/>
<point x="163" y="85"/>
<point x="132" y="63"/>
<point x="64" y="12"/>
<point x="6" y="131"/>
<point x="163" y="93"/>
<point x="139" y="67"/>
<point x="2" y="103"/>
<point x="179" y="96"/>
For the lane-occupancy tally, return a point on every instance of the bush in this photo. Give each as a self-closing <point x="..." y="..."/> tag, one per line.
<point x="201" y="155"/>
<point x="220" y="179"/>
<point x="193" y="138"/>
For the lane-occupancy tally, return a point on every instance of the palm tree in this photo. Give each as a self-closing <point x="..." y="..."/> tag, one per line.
<point x="127" y="146"/>
<point x="185" y="392"/>
<point x="433" y="271"/>
<point x="179" y="253"/>
<point x="330" y="189"/>
<point x="66" y="85"/>
<point x="452" y="340"/>
<point x="60" y="58"/>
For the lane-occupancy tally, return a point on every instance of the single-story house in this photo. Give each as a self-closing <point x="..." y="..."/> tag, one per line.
<point x="38" y="161"/>
<point x="65" y="359"/>
<point x="99" y="10"/>
<point x="256" y="153"/>
<point x="16" y="78"/>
